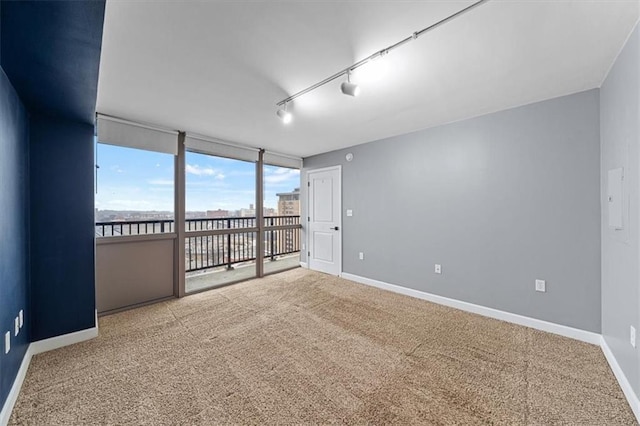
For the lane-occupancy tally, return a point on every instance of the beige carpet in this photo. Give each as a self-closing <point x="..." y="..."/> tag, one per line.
<point x="306" y="348"/>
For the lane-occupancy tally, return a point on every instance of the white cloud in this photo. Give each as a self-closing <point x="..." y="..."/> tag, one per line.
<point x="281" y="175"/>
<point x="195" y="169"/>
<point x="116" y="169"/>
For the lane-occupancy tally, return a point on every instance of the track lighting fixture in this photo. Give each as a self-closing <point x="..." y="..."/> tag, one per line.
<point x="349" y="88"/>
<point x="352" y="89"/>
<point x="284" y="115"/>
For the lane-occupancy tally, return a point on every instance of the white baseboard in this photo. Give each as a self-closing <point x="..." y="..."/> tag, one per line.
<point x="39" y="347"/>
<point x="562" y="330"/>
<point x="631" y="396"/>
<point x="304" y="265"/>
<point x="56" y="342"/>
<point x="5" y="414"/>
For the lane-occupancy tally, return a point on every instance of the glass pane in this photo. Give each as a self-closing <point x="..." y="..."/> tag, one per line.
<point x="220" y="196"/>
<point x="281" y="208"/>
<point x="134" y="191"/>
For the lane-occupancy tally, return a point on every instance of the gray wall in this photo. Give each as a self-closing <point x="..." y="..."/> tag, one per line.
<point x="498" y="200"/>
<point x="620" y="130"/>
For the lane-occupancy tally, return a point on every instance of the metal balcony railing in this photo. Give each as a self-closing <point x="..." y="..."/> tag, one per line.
<point x="216" y="242"/>
<point x="133" y="227"/>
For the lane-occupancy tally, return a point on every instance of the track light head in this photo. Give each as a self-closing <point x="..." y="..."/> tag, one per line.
<point x="350" y="89"/>
<point x="284" y="115"/>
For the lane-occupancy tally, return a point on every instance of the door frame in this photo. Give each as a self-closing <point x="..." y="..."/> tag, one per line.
<point x="308" y="212"/>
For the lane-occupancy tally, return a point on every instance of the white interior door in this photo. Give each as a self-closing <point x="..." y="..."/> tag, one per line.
<point x="324" y="232"/>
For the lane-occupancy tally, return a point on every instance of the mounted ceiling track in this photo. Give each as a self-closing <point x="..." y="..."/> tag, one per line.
<point x="286" y="115"/>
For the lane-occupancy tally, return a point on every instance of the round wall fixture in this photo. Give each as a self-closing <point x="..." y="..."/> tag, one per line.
<point x="349" y="156"/>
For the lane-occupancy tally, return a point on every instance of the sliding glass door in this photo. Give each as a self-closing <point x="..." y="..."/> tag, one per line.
<point x="220" y="221"/>
<point x="281" y="218"/>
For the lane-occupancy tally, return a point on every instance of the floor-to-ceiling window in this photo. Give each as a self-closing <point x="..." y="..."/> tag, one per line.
<point x="134" y="214"/>
<point x="220" y="220"/>
<point x="178" y="213"/>
<point x="281" y="218"/>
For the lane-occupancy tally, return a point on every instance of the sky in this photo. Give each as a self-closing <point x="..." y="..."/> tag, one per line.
<point x="132" y="179"/>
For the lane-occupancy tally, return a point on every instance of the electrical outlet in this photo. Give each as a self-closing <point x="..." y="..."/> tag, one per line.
<point x="21" y="316"/>
<point x="16" y="326"/>
<point x="632" y="336"/>
<point x="438" y="269"/>
<point x="349" y="212"/>
<point x="541" y="285"/>
<point x="7" y="342"/>
<point x="361" y="256"/>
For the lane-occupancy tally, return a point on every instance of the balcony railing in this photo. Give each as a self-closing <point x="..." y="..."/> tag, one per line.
<point x="216" y="242"/>
<point x="133" y="227"/>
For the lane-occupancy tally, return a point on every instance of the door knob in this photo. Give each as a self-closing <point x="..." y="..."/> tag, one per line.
<point x="335" y="228"/>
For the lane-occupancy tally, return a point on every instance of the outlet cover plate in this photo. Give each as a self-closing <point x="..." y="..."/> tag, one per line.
<point x="437" y="269"/>
<point x="541" y="286"/>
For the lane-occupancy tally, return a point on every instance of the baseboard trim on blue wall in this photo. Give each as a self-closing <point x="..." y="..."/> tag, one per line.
<point x="562" y="330"/>
<point x="15" y="389"/>
<point x="57" y="342"/>
<point x="631" y="396"/>
<point x="37" y="348"/>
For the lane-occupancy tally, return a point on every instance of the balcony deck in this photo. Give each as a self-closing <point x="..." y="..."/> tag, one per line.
<point x="220" y="276"/>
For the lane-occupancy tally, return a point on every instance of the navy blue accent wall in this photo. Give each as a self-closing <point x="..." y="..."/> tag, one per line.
<point x="62" y="226"/>
<point x="14" y="222"/>
<point x="51" y="53"/>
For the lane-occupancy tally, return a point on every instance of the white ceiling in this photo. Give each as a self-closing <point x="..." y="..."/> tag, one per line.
<point x="219" y="68"/>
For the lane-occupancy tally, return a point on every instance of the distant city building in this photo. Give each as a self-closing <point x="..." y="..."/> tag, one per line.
<point x="217" y="213"/>
<point x="195" y="215"/>
<point x="250" y="212"/>
<point x="289" y="203"/>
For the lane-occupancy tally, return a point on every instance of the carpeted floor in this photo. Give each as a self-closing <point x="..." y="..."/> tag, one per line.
<point x="306" y="348"/>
